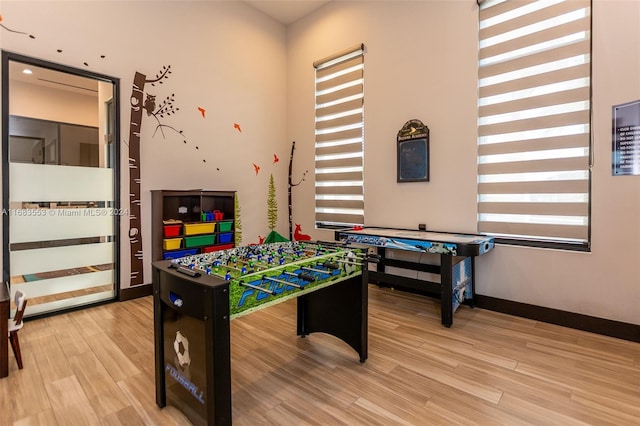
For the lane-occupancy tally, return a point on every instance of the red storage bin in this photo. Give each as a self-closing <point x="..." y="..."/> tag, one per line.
<point x="216" y="248"/>
<point x="172" y="230"/>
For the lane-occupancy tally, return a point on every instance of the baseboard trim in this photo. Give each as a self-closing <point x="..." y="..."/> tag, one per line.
<point x="617" y="329"/>
<point x="135" y="292"/>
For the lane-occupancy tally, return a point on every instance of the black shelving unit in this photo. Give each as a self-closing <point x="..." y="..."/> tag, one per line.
<point x="191" y="222"/>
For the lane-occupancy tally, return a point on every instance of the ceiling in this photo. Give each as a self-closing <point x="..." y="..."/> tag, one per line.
<point x="287" y="11"/>
<point x="284" y="11"/>
<point x="53" y="79"/>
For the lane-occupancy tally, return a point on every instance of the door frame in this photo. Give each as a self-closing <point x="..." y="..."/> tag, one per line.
<point x="7" y="57"/>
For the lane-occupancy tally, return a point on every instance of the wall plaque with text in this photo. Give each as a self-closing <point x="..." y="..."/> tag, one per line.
<point x="626" y="139"/>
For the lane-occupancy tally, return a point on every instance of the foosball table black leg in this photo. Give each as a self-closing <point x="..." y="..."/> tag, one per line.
<point x="339" y="310"/>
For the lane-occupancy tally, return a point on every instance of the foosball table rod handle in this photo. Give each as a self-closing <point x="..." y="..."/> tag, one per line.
<point x="264" y="290"/>
<point x="275" y="280"/>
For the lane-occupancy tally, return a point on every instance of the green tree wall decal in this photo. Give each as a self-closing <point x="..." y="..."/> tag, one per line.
<point x="272" y="214"/>
<point x="238" y="225"/>
<point x="272" y="205"/>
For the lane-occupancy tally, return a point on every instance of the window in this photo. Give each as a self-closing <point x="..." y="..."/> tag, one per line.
<point x="339" y="139"/>
<point x="534" y="140"/>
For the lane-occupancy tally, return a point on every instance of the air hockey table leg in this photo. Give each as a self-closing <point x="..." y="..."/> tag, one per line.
<point x="446" y="292"/>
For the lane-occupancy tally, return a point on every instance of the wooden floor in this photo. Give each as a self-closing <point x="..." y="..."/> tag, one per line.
<point x="96" y="366"/>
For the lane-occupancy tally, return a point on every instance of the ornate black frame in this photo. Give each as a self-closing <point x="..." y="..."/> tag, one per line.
<point x="413" y="152"/>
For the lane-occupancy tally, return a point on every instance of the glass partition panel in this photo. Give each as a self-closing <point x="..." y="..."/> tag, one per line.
<point x="60" y="185"/>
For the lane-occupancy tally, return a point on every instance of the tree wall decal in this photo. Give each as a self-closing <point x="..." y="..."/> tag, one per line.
<point x="238" y="224"/>
<point x="290" y="186"/>
<point x="272" y="205"/>
<point x="272" y="214"/>
<point x="138" y="104"/>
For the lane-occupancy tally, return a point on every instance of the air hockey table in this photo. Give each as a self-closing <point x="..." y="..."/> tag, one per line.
<point x="456" y="267"/>
<point x="196" y="297"/>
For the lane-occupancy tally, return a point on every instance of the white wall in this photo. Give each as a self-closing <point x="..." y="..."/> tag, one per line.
<point x="225" y="56"/>
<point x="421" y="62"/>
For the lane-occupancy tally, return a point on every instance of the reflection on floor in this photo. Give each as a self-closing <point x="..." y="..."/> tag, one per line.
<point x="66" y="272"/>
<point x="53" y="296"/>
<point x="33" y="301"/>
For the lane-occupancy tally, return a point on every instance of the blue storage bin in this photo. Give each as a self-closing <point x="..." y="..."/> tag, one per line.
<point x="225" y="238"/>
<point x="176" y="254"/>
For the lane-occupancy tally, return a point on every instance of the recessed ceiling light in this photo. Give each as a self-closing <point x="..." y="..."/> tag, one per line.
<point x="27" y="71"/>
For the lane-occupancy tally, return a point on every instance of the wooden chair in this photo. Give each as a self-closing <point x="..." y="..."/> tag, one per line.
<point x="16" y="323"/>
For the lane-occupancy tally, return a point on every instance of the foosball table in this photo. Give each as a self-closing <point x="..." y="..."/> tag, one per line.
<point x="196" y="297"/>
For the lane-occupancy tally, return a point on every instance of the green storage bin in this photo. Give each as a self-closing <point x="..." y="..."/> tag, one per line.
<point x="200" y="240"/>
<point x="225" y="226"/>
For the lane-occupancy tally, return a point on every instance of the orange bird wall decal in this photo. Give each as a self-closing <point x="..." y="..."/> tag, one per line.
<point x="237" y="127"/>
<point x="256" y="168"/>
<point x="275" y="158"/>
<point x="202" y="111"/>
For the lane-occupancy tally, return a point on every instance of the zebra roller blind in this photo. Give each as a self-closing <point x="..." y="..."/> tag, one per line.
<point x="339" y="139"/>
<point x="534" y="138"/>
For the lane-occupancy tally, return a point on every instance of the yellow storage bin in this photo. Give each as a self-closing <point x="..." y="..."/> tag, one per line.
<point x="199" y="228"/>
<point x="172" y="243"/>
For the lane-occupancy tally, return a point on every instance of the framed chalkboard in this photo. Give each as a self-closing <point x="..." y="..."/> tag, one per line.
<point x="413" y="152"/>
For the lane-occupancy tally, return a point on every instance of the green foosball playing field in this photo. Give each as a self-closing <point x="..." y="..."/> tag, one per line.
<point x="263" y="275"/>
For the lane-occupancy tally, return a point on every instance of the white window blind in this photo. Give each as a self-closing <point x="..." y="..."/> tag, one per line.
<point x="534" y="121"/>
<point x="339" y="139"/>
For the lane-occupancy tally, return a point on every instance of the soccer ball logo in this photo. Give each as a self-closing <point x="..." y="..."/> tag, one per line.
<point x="181" y="346"/>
